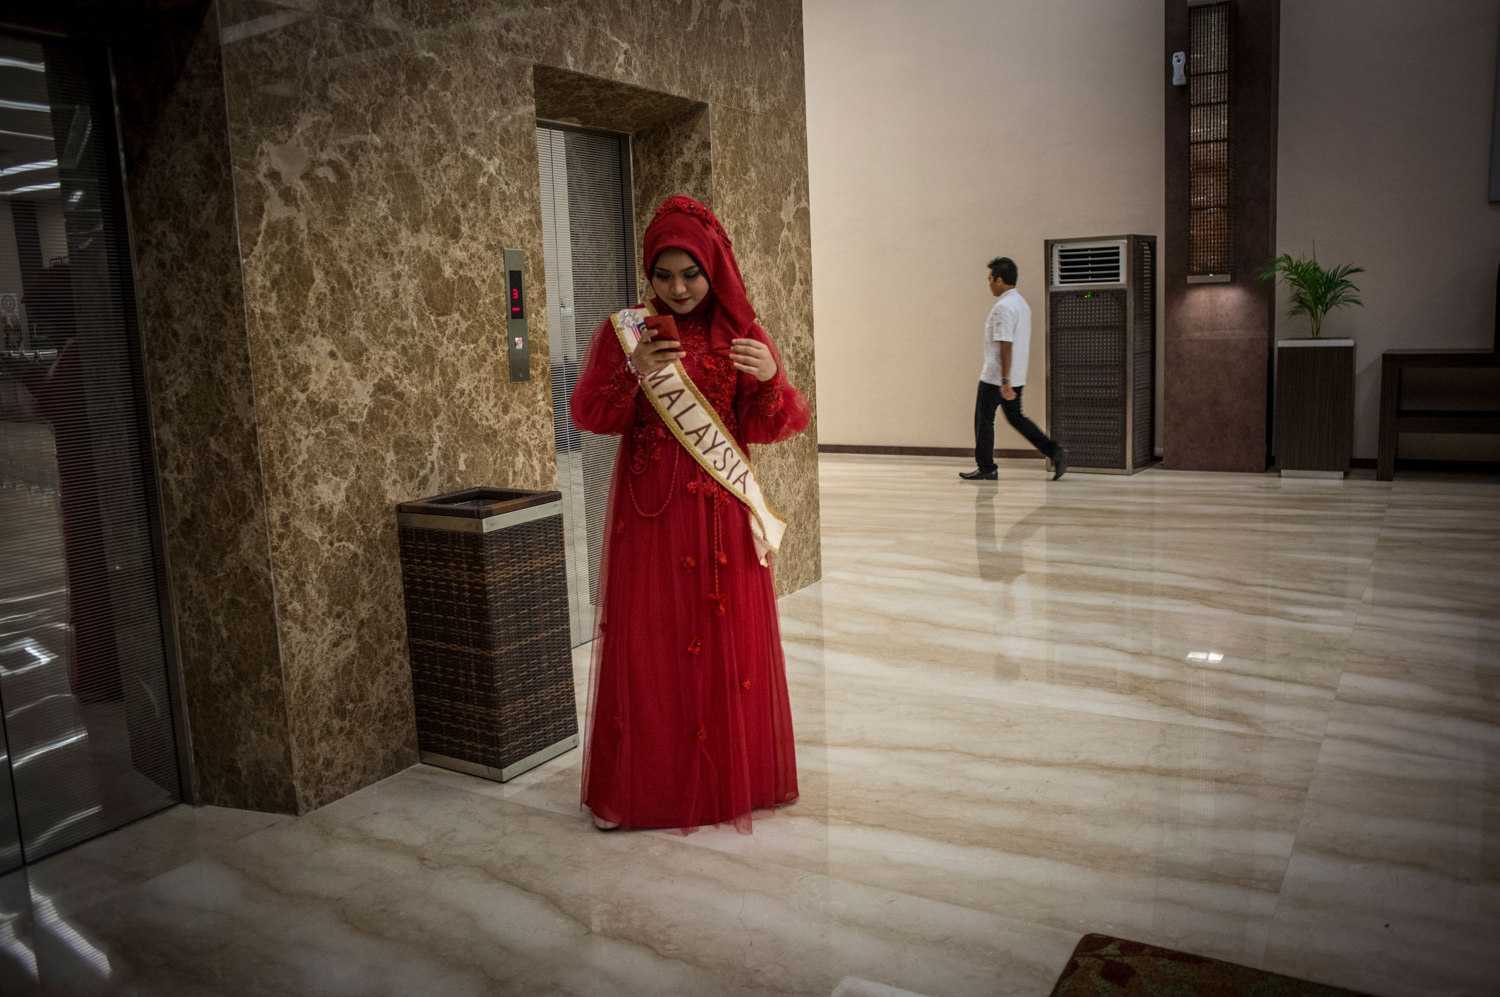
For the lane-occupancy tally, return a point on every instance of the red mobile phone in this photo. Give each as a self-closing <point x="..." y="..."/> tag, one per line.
<point x="661" y="327"/>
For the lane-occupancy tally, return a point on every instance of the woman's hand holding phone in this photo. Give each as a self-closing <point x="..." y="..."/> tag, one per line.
<point x="651" y="355"/>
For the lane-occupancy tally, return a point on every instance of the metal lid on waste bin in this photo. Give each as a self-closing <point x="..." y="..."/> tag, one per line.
<point x="478" y="510"/>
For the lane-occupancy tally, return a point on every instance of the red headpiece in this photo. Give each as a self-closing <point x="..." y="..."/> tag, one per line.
<point x="682" y="223"/>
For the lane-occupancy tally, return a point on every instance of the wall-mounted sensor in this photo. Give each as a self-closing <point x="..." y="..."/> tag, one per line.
<point x="1179" y="69"/>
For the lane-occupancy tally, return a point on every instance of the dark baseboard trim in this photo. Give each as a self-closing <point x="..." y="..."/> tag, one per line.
<point x="1420" y="464"/>
<point x="1364" y="463"/>
<point x="857" y="448"/>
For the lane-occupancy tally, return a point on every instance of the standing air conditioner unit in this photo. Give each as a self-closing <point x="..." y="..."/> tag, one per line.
<point x="1101" y="351"/>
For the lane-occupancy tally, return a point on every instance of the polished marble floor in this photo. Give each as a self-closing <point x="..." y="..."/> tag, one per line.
<point x="1252" y="718"/>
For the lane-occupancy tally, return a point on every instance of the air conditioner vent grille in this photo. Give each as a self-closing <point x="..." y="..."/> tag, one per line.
<point x="1101" y="350"/>
<point x="1088" y="264"/>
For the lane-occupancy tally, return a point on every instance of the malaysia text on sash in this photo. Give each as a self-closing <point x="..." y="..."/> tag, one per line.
<point x="692" y="419"/>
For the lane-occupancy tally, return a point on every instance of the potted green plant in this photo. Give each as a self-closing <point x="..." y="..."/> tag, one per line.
<point x="1315" y="291"/>
<point x="1314" y="418"/>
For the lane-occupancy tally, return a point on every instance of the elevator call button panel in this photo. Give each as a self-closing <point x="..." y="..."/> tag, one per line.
<point x="517" y="338"/>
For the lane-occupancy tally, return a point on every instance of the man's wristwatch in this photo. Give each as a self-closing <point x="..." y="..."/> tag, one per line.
<point x="1005" y="380"/>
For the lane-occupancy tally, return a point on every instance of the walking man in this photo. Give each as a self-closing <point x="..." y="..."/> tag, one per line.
<point x="1007" y="345"/>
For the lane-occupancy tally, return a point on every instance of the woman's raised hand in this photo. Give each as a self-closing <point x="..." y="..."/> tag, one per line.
<point x="753" y="357"/>
<point x="651" y="355"/>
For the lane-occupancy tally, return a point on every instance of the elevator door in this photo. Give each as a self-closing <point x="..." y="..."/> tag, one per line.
<point x="588" y="249"/>
<point x="88" y="730"/>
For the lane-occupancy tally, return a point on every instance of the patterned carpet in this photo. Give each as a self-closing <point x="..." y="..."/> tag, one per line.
<point x="1102" y="964"/>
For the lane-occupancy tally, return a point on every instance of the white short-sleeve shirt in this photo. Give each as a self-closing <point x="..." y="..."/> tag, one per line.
<point x="1008" y="322"/>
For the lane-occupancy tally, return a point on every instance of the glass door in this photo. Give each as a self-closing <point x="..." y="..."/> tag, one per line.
<point x="89" y="732"/>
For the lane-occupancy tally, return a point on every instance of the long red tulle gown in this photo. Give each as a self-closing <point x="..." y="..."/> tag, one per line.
<point x="689" y="722"/>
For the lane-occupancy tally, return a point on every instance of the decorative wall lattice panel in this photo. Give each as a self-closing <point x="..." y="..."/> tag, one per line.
<point x="1210" y="142"/>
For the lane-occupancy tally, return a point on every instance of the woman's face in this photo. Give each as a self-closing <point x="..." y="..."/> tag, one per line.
<point x="678" y="280"/>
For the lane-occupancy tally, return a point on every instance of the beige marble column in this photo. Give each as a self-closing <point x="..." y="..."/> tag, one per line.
<point x="202" y="399"/>
<point x="379" y="175"/>
<point x="761" y="196"/>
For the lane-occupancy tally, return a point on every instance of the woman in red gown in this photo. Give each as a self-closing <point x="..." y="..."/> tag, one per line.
<point x="689" y="722"/>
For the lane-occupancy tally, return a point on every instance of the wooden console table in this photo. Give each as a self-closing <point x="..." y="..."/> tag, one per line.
<point x="1394" y="420"/>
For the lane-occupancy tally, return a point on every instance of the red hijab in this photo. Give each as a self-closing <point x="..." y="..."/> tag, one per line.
<point x="682" y="223"/>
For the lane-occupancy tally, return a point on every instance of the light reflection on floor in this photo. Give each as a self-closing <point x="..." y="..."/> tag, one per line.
<point x="1252" y="718"/>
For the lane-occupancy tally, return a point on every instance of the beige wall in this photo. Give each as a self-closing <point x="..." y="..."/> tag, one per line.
<point x="940" y="135"/>
<point x="1386" y="111"/>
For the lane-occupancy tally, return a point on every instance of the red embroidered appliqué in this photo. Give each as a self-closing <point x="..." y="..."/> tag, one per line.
<point x="622" y="387"/>
<point x="702" y="733"/>
<point x="714" y="374"/>
<point x="768" y="397"/>
<point x="687" y="206"/>
<point x="646" y="438"/>
<point x="718" y="386"/>
<point x="695" y="645"/>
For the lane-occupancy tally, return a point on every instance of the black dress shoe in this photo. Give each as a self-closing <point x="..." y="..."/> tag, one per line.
<point x="1059" y="463"/>
<point x="978" y="475"/>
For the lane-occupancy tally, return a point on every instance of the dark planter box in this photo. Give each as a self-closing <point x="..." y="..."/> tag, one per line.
<point x="487" y="628"/>
<point x="1314" y="435"/>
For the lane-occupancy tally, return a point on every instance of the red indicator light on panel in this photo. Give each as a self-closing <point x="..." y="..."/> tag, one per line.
<point x="517" y="297"/>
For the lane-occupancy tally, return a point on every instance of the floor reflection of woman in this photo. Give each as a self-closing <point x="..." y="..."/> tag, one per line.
<point x="689" y="722"/>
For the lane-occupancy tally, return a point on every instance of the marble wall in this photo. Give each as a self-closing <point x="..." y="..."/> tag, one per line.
<point x="751" y="169"/>
<point x="373" y="158"/>
<point x="200" y="381"/>
<point x="321" y="191"/>
<point x="761" y="196"/>
<point x="378" y="179"/>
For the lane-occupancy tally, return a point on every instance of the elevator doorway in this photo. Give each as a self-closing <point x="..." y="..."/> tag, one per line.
<point x="588" y="249"/>
<point x="90" y="736"/>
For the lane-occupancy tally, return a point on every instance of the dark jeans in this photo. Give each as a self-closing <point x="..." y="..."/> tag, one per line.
<point x="984" y="425"/>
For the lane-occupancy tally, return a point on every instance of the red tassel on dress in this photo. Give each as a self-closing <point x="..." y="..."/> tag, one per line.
<point x="689" y="722"/>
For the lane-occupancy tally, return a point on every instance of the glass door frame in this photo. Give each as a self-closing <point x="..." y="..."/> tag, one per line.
<point x="577" y="599"/>
<point x="97" y="58"/>
<point x="187" y="772"/>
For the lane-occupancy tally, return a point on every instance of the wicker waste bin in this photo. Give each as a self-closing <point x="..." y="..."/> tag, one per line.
<point x="487" y="629"/>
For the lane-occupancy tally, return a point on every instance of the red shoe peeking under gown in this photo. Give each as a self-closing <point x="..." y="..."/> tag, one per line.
<point x="689" y="722"/>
